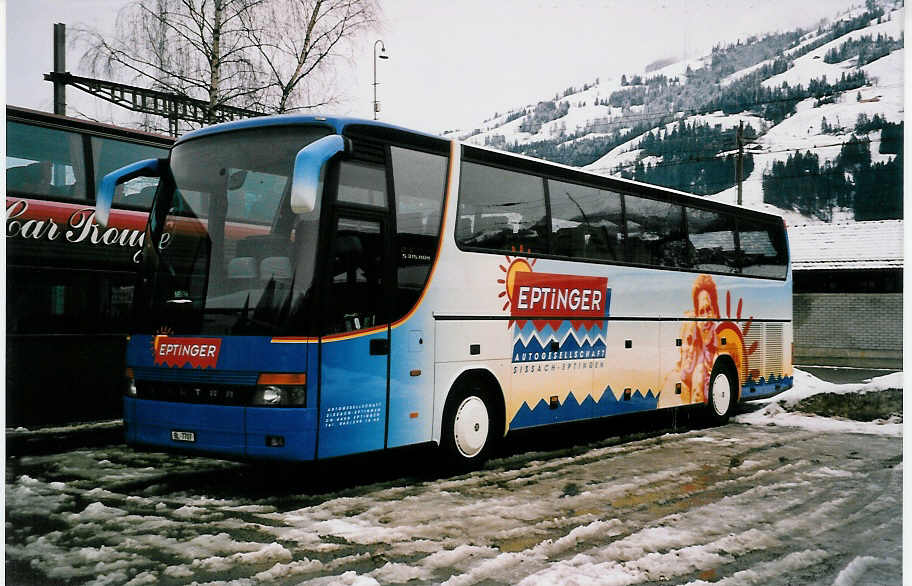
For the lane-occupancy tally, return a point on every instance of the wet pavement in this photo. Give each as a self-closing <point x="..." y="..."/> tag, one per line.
<point x="846" y="374"/>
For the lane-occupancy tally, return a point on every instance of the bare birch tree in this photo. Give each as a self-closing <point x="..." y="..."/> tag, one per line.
<point x="297" y="42"/>
<point x="252" y="54"/>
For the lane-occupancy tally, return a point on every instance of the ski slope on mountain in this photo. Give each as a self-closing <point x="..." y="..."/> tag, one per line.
<point x="819" y="126"/>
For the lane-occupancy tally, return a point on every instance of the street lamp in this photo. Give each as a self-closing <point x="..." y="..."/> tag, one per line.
<point x="382" y="55"/>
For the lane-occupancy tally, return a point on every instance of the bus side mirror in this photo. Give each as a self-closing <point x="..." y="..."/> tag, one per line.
<point x="310" y="170"/>
<point x="105" y="195"/>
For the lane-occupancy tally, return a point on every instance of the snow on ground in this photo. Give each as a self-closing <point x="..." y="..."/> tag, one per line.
<point x="679" y="68"/>
<point x="806" y="385"/>
<point x="76" y="427"/>
<point x="811" y="66"/>
<point x="801" y="132"/>
<point x="624" y="154"/>
<point x="735" y="504"/>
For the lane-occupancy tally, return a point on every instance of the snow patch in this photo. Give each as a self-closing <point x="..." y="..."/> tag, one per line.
<point x="351" y="578"/>
<point x="269" y="554"/>
<point x="806" y="385"/>
<point x="855" y="571"/>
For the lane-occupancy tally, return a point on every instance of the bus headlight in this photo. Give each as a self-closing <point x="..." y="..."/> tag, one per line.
<point x="281" y="390"/>
<point x="129" y="383"/>
<point x="269" y="396"/>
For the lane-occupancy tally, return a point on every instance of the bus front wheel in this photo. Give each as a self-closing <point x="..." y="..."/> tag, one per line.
<point x="468" y="428"/>
<point x="723" y="394"/>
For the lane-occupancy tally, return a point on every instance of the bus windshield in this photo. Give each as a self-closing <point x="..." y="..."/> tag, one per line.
<point x="232" y="258"/>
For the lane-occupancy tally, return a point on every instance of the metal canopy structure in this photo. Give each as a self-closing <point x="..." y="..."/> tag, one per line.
<point x="174" y="107"/>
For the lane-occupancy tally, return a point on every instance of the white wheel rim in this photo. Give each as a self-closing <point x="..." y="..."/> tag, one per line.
<point x="721" y="394"/>
<point x="470" y="428"/>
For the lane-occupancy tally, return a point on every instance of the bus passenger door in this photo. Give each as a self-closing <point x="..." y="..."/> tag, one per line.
<point x="354" y="360"/>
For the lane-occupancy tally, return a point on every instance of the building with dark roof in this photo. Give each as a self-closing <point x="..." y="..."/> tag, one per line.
<point x="848" y="293"/>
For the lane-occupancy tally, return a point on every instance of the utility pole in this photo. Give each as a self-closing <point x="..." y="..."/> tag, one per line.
<point x="60" y="68"/>
<point x="740" y="169"/>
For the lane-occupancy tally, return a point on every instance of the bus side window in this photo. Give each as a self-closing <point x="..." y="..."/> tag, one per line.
<point x="44" y="162"/>
<point x="418" y="183"/>
<point x="508" y="207"/>
<point x="585" y="221"/>
<point x="655" y="232"/>
<point x="763" y="249"/>
<point x="712" y="235"/>
<point x="109" y="155"/>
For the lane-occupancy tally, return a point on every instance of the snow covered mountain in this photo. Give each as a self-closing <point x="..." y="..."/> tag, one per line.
<point x="825" y="104"/>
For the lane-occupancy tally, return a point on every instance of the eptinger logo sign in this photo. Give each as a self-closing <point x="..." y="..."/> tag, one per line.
<point x="197" y="352"/>
<point x="543" y="294"/>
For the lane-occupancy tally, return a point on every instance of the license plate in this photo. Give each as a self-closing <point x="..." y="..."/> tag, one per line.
<point x="183" y="436"/>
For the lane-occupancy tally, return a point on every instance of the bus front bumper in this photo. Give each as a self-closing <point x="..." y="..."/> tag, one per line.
<point x="262" y="433"/>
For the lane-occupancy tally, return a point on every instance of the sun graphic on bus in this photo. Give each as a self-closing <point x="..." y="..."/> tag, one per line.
<point x="516" y="266"/>
<point x="734" y="337"/>
<point x="162" y="332"/>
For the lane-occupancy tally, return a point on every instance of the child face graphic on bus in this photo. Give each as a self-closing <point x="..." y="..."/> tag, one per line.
<point x="698" y="347"/>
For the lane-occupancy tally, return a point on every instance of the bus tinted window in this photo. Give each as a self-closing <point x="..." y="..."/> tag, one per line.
<point x="763" y="249"/>
<point x="44" y="162"/>
<point x="501" y="210"/>
<point x="355" y="299"/>
<point x="712" y="236"/>
<point x="585" y="221"/>
<point x="49" y="301"/>
<point x="362" y="184"/>
<point x="655" y="233"/>
<point x="251" y="195"/>
<point x="418" y="179"/>
<point x="109" y="155"/>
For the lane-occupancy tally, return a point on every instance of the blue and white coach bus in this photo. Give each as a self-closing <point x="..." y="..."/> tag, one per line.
<point x="314" y="287"/>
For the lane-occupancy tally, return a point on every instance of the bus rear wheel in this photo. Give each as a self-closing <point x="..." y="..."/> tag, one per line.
<point x="723" y="395"/>
<point x="468" y="428"/>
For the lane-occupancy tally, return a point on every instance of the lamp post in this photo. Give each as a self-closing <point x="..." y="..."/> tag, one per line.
<point x="382" y="55"/>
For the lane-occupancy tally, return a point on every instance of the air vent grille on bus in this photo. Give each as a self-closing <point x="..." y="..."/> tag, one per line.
<point x="194" y="393"/>
<point x="755" y="361"/>
<point x="774" y="350"/>
<point x="368" y="150"/>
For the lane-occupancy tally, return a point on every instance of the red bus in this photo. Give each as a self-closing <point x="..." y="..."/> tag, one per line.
<point x="69" y="283"/>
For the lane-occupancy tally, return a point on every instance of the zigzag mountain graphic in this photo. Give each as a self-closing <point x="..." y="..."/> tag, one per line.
<point x="545" y="335"/>
<point x="573" y="410"/>
<point x="759" y="388"/>
<point x="541" y="324"/>
<point x="772" y="379"/>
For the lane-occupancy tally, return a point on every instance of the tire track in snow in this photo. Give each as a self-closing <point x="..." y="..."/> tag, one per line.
<point x="824" y="507"/>
<point x="736" y="504"/>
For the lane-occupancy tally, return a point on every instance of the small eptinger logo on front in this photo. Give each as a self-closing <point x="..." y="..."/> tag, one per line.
<point x="197" y="352"/>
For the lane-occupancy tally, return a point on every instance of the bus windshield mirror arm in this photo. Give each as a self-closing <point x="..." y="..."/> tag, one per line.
<point x="310" y="169"/>
<point x="105" y="196"/>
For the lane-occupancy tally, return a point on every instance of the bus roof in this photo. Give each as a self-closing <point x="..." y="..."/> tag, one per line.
<point x="340" y="123"/>
<point x="20" y="114"/>
<point x="337" y="123"/>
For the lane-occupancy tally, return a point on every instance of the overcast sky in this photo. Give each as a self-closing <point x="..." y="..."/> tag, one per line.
<point x="453" y="64"/>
